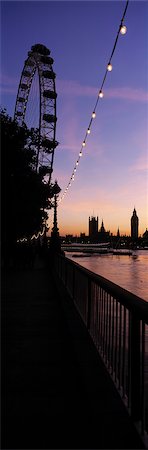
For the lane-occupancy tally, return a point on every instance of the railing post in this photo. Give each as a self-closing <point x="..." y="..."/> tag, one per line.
<point x="89" y="304"/>
<point x="135" y="368"/>
<point x="60" y="266"/>
<point x="61" y="270"/>
<point x="73" y="285"/>
<point x="129" y="339"/>
<point x="65" y="281"/>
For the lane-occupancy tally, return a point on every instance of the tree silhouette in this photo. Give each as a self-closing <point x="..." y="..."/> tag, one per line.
<point x="25" y="196"/>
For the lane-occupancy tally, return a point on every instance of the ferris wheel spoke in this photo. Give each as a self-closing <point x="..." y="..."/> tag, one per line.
<point x="36" y="104"/>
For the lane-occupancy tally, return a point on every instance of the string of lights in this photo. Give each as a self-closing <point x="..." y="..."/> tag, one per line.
<point x="121" y="30"/>
<point x="34" y="236"/>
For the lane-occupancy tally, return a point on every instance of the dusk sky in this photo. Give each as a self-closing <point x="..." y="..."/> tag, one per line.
<point x="112" y="176"/>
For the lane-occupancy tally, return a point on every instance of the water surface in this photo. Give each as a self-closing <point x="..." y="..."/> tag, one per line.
<point x="129" y="272"/>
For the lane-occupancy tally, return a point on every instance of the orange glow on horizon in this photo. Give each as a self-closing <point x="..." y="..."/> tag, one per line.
<point x="77" y="230"/>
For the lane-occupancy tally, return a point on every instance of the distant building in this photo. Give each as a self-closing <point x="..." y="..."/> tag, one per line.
<point x="103" y="235"/>
<point x="102" y="229"/>
<point x="145" y="234"/>
<point x="134" y="225"/>
<point x="82" y="235"/>
<point x="93" y="228"/>
<point x="69" y="238"/>
<point x="145" y="238"/>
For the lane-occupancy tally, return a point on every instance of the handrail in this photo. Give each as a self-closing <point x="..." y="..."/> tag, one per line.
<point x="117" y="321"/>
<point x="133" y="302"/>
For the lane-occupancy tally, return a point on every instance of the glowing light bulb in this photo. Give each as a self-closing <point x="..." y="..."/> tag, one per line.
<point x="77" y="163"/>
<point x="69" y="184"/>
<point x="93" y="115"/>
<point x="84" y="143"/>
<point x="75" y="169"/>
<point x="109" y="67"/>
<point x="101" y="95"/>
<point x="88" y="131"/>
<point x="80" y="154"/>
<point x="123" y="29"/>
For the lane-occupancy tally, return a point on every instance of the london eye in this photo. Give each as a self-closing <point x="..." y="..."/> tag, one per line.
<point x="36" y="105"/>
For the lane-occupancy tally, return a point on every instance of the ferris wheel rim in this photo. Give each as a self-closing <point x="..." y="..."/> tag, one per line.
<point x="40" y="61"/>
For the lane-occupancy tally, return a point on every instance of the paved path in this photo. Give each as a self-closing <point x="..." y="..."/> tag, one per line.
<point x="56" y="392"/>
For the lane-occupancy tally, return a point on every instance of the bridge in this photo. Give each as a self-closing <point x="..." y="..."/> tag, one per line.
<point x="72" y="377"/>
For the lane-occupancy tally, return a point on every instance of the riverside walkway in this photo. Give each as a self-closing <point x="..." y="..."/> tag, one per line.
<point x="56" y="392"/>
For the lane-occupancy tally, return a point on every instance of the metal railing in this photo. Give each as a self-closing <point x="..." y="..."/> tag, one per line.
<point x="118" y="324"/>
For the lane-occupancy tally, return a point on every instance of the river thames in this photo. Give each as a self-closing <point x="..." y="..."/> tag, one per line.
<point x="129" y="272"/>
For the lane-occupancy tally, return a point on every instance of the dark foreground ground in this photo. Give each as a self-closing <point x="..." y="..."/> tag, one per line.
<point x="56" y="393"/>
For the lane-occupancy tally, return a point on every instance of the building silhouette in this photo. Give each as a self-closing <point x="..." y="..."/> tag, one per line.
<point x="134" y="225"/>
<point x="103" y="235"/>
<point x="93" y="228"/>
<point x="102" y="229"/>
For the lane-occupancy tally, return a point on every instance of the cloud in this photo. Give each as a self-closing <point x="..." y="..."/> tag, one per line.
<point x="74" y="88"/>
<point x="8" y="90"/>
<point x="127" y="93"/>
<point x="69" y="147"/>
<point x="8" y="85"/>
<point x="6" y="80"/>
<point x="70" y="87"/>
<point x="140" y="165"/>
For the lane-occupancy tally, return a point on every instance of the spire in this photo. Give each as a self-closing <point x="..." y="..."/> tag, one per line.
<point x="134" y="225"/>
<point x="102" y="229"/>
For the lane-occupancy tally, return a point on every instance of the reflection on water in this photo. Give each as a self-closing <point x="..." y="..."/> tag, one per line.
<point x="129" y="272"/>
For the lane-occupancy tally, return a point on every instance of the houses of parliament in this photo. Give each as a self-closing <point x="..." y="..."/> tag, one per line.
<point x="101" y="234"/>
<point x="96" y="234"/>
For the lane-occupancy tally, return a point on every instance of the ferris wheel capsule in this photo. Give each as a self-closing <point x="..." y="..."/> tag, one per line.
<point x="39" y="64"/>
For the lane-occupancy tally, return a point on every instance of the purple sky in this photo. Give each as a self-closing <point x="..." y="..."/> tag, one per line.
<point x="112" y="175"/>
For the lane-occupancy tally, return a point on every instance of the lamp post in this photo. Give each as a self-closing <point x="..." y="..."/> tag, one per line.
<point x="55" y="244"/>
